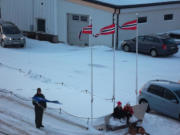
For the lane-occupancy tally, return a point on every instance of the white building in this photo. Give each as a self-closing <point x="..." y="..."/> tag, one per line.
<point x="66" y="18"/>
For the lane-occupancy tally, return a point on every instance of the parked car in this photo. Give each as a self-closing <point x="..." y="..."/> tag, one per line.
<point x="10" y="35"/>
<point x="161" y="96"/>
<point x="154" y="45"/>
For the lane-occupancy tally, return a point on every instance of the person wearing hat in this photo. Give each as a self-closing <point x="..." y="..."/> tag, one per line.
<point x="118" y="111"/>
<point x="39" y="106"/>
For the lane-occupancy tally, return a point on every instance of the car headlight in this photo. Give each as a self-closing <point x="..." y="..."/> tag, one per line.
<point x="9" y="38"/>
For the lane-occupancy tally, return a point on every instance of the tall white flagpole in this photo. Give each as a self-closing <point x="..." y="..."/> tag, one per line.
<point x="92" y="91"/>
<point x="114" y="69"/>
<point x="137" y="59"/>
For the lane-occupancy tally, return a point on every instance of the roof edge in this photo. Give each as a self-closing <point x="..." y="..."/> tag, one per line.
<point x="132" y="6"/>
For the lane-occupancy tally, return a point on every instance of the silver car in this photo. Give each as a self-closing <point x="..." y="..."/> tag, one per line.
<point x="10" y="35"/>
<point x="161" y="96"/>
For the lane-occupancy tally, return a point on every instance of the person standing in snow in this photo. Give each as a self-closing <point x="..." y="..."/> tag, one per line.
<point x="128" y="111"/>
<point x="39" y="106"/>
<point x="118" y="111"/>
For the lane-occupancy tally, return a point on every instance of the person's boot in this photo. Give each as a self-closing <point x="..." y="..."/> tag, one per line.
<point x="42" y="126"/>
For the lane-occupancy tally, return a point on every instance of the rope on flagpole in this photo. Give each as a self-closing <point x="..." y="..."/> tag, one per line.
<point x="114" y="70"/>
<point x="92" y="91"/>
<point x="136" y="58"/>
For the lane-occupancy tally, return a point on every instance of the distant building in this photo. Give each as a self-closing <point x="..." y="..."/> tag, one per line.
<point x="65" y="18"/>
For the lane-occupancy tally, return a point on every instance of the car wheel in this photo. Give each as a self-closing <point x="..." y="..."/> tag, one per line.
<point x="153" y="53"/>
<point x="145" y="102"/>
<point x="3" y="44"/>
<point x="126" y="48"/>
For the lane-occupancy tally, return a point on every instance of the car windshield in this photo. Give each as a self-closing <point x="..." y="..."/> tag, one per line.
<point x="169" y="41"/>
<point x="10" y="29"/>
<point x="178" y="93"/>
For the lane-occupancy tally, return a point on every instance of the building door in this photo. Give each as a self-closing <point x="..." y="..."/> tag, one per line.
<point x="41" y="25"/>
<point x="75" y="25"/>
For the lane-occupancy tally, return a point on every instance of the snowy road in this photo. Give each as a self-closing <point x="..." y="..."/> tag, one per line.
<point x="17" y="118"/>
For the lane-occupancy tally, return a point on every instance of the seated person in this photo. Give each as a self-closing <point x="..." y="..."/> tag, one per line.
<point x="118" y="111"/>
<point x="128" y="111"/>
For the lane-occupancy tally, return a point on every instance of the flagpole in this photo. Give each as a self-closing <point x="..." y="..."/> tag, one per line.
<point x="136" y="58"/>
<point x="92" y="91"/>
<point x="114" y="70"/>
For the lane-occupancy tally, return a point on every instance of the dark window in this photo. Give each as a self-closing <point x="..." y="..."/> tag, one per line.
<point x="10" y="29"/>
<point x="141" y="38"/>
<point x="41" y="25"/>
<point x="157" y="90"/>
<point x="149" y="39"/>
<point x="169" y="41"/>
<point x="0" y="12"/>
<point x="75" y="17"/>
<point x="178" y="93"/>
<point x="169" y="95"/>
<point x="84" y="18"/>
<point x="142" y="19"/>
<point x="168" y="17"/>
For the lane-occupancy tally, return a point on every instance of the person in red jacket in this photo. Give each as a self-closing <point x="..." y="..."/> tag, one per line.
<point x="128" y="111"/>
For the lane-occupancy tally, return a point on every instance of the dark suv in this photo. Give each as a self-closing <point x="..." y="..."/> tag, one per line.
<point x="154" y="45"/>
<point x="161" y="96"/>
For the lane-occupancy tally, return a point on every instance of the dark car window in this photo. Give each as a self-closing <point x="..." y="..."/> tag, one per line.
<point x="169" y="95"/>
<point x="178" y="93"/>
<point x="141" y="38"/>
<point x="10" y="29"/>
<point x="149" y="39"/>
<point x="157" y="90"/>
<point x="169" y="41"/>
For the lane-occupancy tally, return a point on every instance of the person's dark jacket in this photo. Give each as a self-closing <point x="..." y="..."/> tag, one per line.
<point x="118" y="113"/>
<point x="41" y="104"/>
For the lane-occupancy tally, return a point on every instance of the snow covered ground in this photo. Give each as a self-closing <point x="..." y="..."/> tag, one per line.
<point x="63" y="73"/>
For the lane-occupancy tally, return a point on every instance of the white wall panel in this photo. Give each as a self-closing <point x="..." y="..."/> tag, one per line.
<point x="46" y="9"/>
<point x="18" y="11"/>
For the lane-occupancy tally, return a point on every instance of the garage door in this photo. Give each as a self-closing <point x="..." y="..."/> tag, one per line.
<point x="75" y="25"/>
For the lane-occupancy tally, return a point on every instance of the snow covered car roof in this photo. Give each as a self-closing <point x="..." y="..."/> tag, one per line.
<point x="132" y="3"/>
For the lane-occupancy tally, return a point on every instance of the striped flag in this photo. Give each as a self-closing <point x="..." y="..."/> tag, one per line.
<point x="106" y="30"/>
<point x="131" y="25"/>
<point x="86" y="30"/>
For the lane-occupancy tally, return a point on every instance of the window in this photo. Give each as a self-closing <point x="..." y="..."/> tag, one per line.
<point x="84" y="18"/>
<point x="41" y="25"/>
<point x="157" y="90"/>
<point x="168" y="17"/>
<point x="142" y="19"/>
<point x="169" y="95"/>
<point x="75" y="17"/>
<point x="141" y="38"/>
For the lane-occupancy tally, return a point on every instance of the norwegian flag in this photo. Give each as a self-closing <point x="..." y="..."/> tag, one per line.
<point x="86" y="30"/>
<point x="106" y="30"/>
<point x="131" y="25"/>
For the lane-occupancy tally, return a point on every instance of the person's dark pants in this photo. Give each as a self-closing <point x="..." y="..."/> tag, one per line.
<point x="38" y="117"/>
